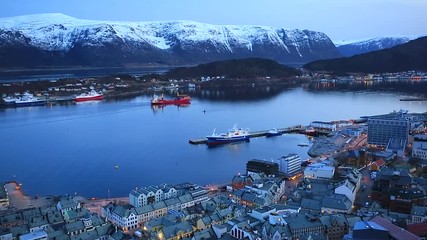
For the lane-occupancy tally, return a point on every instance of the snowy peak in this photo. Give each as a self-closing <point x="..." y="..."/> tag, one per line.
<point x="349" y="48"/>
<point x="59" y="32"/>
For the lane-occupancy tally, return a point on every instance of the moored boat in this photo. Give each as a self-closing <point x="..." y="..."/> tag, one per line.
<point x="90" y="96"/>
<point x="9" y="101"/>
<point x="28" y="99"/>
<point x="303" y="144"/>
<point x="180" y="99"/>
<point x="273" y="132"/>
<point x="233" y="135"/>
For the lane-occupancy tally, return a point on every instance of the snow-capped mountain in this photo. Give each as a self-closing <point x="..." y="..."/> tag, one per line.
<point x="57" y="39"/>
<point x="350" y="48"/>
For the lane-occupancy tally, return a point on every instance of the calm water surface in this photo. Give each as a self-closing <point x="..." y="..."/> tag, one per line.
<point x="74" y="149"/>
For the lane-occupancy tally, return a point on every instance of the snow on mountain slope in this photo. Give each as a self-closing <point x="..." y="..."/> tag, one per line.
<point x="57" y="32"/>
<point x="61" y="33"/>
<point x="349" y="48"/>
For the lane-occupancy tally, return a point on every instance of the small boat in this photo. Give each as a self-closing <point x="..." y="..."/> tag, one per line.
<point x="90" y="96"/>
<point x="233" y="135"/>
<point x="179" y="100"/>
<point x="28" y="99"/>
<point x="9" y="101"/>
<point x="273" y="132"/>
<point x="302" y="144"/>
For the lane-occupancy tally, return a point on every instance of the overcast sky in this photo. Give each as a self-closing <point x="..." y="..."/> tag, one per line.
<point x="339" y="19"/>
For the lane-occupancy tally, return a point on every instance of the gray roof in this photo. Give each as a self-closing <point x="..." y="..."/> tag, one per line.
<point x="67" y="202"/>
<point x="123" y="211"/>
<point x="172" y="231"/>
<point x="31" y="213"/>
<point x="74" y="226"/>
<point x="159" y="205"/>
<point x="204" y="234"/>
<point x="144" y="209"/>
<point x="206" y="220"/>
<point x="335" y="219"/>
<point x="185" y="198"/>
<point x="58" y="235"/>
<point x="37" y="222"/>
<point x="11" y="218"/>
<point x="74" y="214"/>
<point x="300" y="221"/>
<point x="172" y="201"/>
<point x="310" y="204"/>
<point x="337" y="201"/>
<point x="247" y="196"/>
<point x="90" y="235"/>
<point x="419" y="210"/>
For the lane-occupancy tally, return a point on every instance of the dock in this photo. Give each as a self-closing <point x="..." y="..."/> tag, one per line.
<point x="262" y="133"/>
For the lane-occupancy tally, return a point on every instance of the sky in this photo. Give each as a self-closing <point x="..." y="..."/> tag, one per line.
<point x="339" y="19"/>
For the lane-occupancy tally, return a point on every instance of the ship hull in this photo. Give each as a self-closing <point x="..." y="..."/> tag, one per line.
<point x="220" y="140"/>
<point x="26" y="104"/>
<point x="91" y="98"/>
<point x="170" y="102"/>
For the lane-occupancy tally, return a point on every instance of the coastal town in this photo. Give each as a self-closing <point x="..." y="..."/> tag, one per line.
<point x="65" y="91"/>
<point x="365" y="177"/>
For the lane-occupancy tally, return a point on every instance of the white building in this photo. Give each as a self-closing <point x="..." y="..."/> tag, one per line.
<point x="124" y="218"/>
<point x="289" y="165"/>
<point x="324" y="126"/>
<point x="348" y="189"/>
<point x="319" y="171"/>
<point x="419" y="147"/>
<point x="148" y="195"/>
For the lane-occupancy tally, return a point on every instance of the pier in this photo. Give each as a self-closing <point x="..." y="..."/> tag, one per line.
<point x="262" y="133"/>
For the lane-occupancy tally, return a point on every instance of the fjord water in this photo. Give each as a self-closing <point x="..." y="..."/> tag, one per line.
<point x="75" y="149"/>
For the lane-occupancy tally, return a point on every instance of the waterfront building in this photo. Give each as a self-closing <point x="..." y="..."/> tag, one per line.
<point x="419" y="147"/>
<point x="67" y="203"/>
<point x="319" y="171"/>
<point x="240" y="181"/>
<point x="262" y="166"/>
<point x="383" y="128"/>
<point x="324" y="126"/>
<point x="289" y="165"/>
<point x="143" y="196"/>
<point x="123" y="217"/>
<point x="4" y="197"/>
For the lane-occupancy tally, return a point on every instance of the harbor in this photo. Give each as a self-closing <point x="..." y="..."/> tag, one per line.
<point x="262" y="133"/>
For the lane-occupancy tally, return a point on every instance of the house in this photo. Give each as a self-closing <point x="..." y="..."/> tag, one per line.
<point x="377" y="165"/>
<point x="336" y="203"/>
<point x="67" y="203"/>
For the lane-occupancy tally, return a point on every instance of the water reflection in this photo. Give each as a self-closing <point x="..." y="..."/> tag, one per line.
<point x="408" y="87"/>
<point x="160" y="108"/>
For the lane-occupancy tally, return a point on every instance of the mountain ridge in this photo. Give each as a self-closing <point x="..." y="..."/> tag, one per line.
<point x="63" y="40"/>
<point x="351" y="48"/>
<point x="404" y="57"/>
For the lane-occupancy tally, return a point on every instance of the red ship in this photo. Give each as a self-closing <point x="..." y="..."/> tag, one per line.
<point x="180" y="99"/>
<point x="91" y="96"/>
